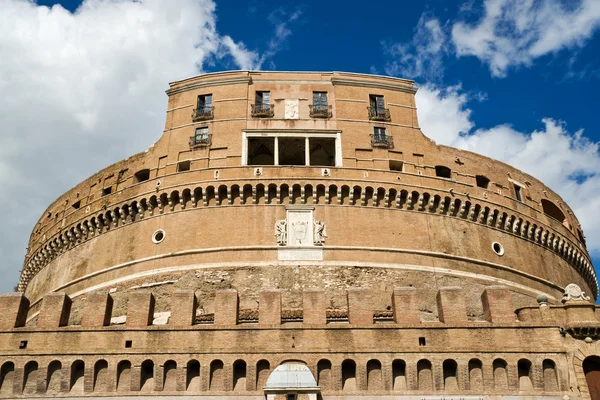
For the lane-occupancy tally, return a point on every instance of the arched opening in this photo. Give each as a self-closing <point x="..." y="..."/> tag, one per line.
<point x="591" y="368"/>
<point x="216" y="375"/>
<point x="30" y="377"/>
<point x="147" y="376"/>
<point x="7" y="376"/>
<point x="77" y="374"/>
<point x="476" y="375"/>
<point x="424" y="375"/>
<point x="550" y="376"/>
<point x="374" y="377"/>
<point x="261" y="151"/>
<point x="263" y="369"/>
<point x="124" y="376"/>
<point x="500" y="375"/>
<point x="100" y="376"/>
<point x="450" y="375"/>
<point x="170" y="376"/>
<point x="192" y="378"/>
<point x="524" y="371"/>
<point x="239" y="376"/>
<point x="324" y="374"/>
<point x="482" y="181"/>
<point x="141" y="176"/>
<point x="443" y="172"/>
<point x="292" y="151"/>
<point x="53" y="377"/>
<point x="322" y="152"/>
<point x="553" y="211"/>
<point x="348" y="376"/>
<point x="399" y="375"/>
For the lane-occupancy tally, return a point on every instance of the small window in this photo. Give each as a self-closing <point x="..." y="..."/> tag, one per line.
<point x="128" y="344"/>
<point x="376" y="101"/>
<point x="158" y="236"/>
<point x="482" y="181"/>
<point x="379" y="132"/>
<point x="443" y="172"/>
<point x="76" y="205"/>
<point x="422" y="341"/>
<point x="320" y="100"/>
<point x="498" y="249"/>
<point x="183" y="166"/>
<point x="106" y="191"/>
<point x="205" y="102"/>
<point x="291" y="396"/>
<point x="142" y="175"/>
<point x="23" y="344"/>
<point x="202" y="133"/>
<point x="263" y="98"/>
<point x="396" y="165"/>
<point x="518" y="195"/>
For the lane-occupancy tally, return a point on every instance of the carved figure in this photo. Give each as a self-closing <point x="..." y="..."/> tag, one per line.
<point x="281" y="232"/>
<point x="320" y="233"/>
<point x="299" y="229"/>
<point x="574" y="292"/>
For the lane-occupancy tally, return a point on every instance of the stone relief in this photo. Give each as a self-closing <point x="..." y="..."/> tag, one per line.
<point x="574" y="293"/>
<point x="300" y="229"/>
<point x="299" y="232"/>
<point x="320" y="233"/>
<point x="291" y="109"/>
<point x="281" y="232"/>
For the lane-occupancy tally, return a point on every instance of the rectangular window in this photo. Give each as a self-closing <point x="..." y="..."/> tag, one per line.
<point x="376" y="101"/>
<point x="396" y="165"/>
<point x="263" y="98"/>
<point x="205" y="102"/>
<point x="106" y="191"/>
<point x="320" y="101"/>
<point x="518" y="195"/>
<point x="183" y="166"/>
<point x="201" y="134"/>
<point x="317" y="151"/>
<point x="379" y="133"/>
<point x="261" y="151"/>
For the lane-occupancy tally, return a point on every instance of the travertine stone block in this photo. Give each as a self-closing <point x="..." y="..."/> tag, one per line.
<point x="497" y="304"/>
<point x="451" y="305"/>
<point x="97" y="310"/>
<point x="269" y="307"/>
<point x="226" y="307"/>
<point x="405" y="303"/>
<point x="140" y="310"/>
<point x="183" y="308"/>
<point x="360" y="306"/>
<point x="314" y="307"/>
<point x="55" y="310"/>
<point x="14" y="308"/>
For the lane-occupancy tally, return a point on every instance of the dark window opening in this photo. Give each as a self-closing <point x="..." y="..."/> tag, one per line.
<point x="76" y="205"/>
<point x="205" y="102"/>
<point x="443" y="172"/>
<point x="142" y="175"/>
<point x="292" y="151"/>
<point x="106" y="191"/>
<point x="320" y="100"/>
<point x="128" y="344"/>
<point x="261" y="151"/>
<point x="291" y="396"/>
<point x="552" y="210"/>
<point x="263" y="98"/>
<point x="482" y="181"/>
<point x="518" y="194"/>
<point x="377" y="102"/>
<point x="422" y="341"/>
<point x="183" y="166"/>
<point x="322" y="152"/>
<point x="396" y="165"/>
<point x="23" y="344"/>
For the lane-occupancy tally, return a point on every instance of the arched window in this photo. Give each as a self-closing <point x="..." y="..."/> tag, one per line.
<point x="77" y="373"/>
<point x="348" y="376"/>
<point x="263" y="369"/>
<point x="192" y="381"/>
<point x="216" y="375"/>
<point x="147" y="376"/>
<point x="7" y="374"/>
<point x="170" y="376"/>
<point x="443" y="172"/>
<point x="553" y="211"/>
<point x="524" y="371"/>
<point x="399" y="375"/>
<point x="475" y="375"/>
<point x="100" y="376"/>
<point x="591" y="368"/>
<point x="500" y="375"/>
<point x="482" y="181"/>
<point x="450" y="375"/>
<point x="54" y="377"/>
<point x="424" y="375"/>
<point x="324" y="374"/>
<point x="124" y="376"/>
<point x="374" y="378"/>
<point x="239" y="376"/>
<point x="550" y="376"/>
<point x="30" y="375"/>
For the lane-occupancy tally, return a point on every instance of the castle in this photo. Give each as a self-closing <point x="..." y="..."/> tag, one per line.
<point x="294" y="236"/>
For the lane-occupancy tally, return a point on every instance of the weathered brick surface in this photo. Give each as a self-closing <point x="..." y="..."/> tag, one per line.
<point x="97" y="310"/>
<point x="55" y="311"/>
<point x="14" y="308"/>
<point x="140" y="309"/>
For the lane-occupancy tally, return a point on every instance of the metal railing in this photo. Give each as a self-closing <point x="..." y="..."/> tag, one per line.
<point x="320" y="111"/>
<point x="379" y="114"/>
<point x="382" y="141"/>
<point x="263" y="110"/>
<point x="201" y="140"/>
<point x="203" y="113"/>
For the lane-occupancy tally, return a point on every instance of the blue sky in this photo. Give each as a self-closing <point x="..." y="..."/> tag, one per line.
<point x="513" y="79"/>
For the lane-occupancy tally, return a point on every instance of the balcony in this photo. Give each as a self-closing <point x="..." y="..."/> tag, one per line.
<point x="200" y="141"/>
<point x="263" y="110"/>
<point x="379" y="114"/>
<point x="382" y="141"/>
<point x="320" y="111"/>
<point x="203" y="113"/>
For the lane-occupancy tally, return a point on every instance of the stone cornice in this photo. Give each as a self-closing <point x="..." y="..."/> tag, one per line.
<point x="372" y="84"/>
<point x="214" y="82"/>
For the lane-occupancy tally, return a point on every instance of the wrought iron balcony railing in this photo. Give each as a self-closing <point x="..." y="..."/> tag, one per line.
<point x="379" y="114"/>
<point x="200" y="140"/>
<point x="320" y="111"/>
<point x="263" y="110"/>
<point x="382" y="141"/>
<point x="203" y="113"/>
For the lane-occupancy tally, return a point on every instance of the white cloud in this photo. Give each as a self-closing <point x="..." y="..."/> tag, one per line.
<point x="566" y="161"/>
<point x="513" y="33"/>
<point x="82" y="90"/>
<point x="422" y="57"/>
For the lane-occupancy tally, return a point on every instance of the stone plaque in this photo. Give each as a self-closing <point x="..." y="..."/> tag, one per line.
<point x="291" y="109"/>
<point x="300" y="227"/>
<point x="300" y="254"/>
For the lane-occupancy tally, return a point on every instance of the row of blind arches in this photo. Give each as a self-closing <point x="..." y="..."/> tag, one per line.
<point x="59" y="379"/>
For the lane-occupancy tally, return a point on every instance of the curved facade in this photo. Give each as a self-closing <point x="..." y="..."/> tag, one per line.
<point x="295" y="235"/>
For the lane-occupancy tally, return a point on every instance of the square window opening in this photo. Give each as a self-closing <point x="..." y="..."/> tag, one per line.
<point x="261" y="151"/>
<point x="128" y="344"/>
<point x="292" y="151"/>
<point x="322" y="152"/>
<point x="183" y="166"/>
<point x="263" y="98"/>
<point x="205" y="102"/>
<point x="422" y="341"/>
<point x="141" y="176"/>
<point x="396" y="165"/>
<point x="482" y="181"/>
<point x="106" y="191"/>
<point x="23" y="344"/>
